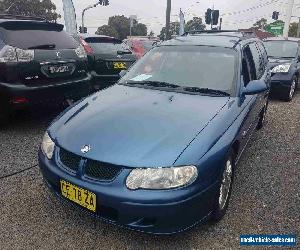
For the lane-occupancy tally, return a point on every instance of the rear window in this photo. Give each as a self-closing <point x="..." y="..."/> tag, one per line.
<point x="25" y="35"/>
<point x="106" y="45"/>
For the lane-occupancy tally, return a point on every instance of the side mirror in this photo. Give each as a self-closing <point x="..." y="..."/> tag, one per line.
<point x="255" y="87"/>
<point x="122" y="73"/>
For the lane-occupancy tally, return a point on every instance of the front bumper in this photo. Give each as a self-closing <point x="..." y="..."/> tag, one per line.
<point x="51" y="95"/>
<point x="103" y="81"/>
<point x="159" y="212"/>
<point x="281" y="82"/>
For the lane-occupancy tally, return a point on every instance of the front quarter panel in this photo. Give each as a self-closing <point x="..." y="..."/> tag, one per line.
<point x="208" y="151"/>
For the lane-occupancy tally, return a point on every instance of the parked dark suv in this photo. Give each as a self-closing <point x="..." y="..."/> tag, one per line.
<point x="284" y="57"/>
<point x="39" y="64"/>
<point x="107" y="57"/>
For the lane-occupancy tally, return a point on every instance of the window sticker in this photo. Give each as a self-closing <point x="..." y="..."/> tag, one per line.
<point x="141" y="77"/>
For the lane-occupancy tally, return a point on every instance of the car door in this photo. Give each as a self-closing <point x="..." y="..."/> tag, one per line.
<point x="253" y="68"/>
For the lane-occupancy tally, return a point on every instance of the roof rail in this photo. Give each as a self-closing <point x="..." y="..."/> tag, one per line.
<point x="243" y="33"/>
<point x="19" y="17"/>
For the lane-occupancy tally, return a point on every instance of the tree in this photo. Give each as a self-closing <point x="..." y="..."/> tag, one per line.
<point x="107" y="31"/>
<point x="151" y="34"/>
<point x="174" y="30"/>
<point x="260" y="24"/>
<point x="121" y="24"/>
<point x="139" y="29"/>
<point x="195" y="24"/>
<point x="293" y="29"/>
<point x="38" y="8"/>
<point x="119" y="27"/>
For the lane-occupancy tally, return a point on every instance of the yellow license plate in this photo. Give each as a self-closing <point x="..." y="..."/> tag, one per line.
<point x="119" y="65"/>
<point x="78" y="195"/>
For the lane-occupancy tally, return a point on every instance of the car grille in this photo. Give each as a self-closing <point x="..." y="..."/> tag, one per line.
<point x="101" y="171"/>
<point x="69" y="160"/>
<point x="92" y="169"/>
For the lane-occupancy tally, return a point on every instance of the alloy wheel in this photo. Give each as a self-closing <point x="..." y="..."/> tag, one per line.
<point x="226" y="184"/>
<point x="292" y="89"/>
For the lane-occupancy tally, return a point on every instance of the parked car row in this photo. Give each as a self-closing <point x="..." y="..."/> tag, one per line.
<point x="157" y="151"/>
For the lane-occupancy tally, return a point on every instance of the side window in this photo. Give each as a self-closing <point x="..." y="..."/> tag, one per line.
<point x="248" y="66"/>
<point x="2" y="44"/>
<point x="258" y="60"/>
<point x="263" y="54"/>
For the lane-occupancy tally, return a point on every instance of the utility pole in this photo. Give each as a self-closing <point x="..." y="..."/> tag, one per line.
<point x="289" y="11"/>
<point x="102" y="2"/>
<point x="298" y="30"/>
<point x="168" y="19"/>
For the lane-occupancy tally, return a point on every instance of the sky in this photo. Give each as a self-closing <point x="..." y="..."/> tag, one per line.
<point x="235" y="13"/>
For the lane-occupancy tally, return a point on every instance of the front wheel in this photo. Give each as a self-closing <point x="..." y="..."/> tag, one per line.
<point x="289" y="93"/>
<point x="224" y="192"/>
<point x="262" y="117"/>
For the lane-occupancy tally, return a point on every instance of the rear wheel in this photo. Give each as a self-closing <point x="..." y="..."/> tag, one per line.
<point x="289" y="93"/>
<point x="224" y="192"/>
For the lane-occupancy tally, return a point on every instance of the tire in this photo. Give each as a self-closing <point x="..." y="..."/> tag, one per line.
<point x="4" y="119"/>
<point x="5" y="114"/>
<point x="289" y="93"/>
<point x="224" y="191"/>
<point x="262" y="117"/>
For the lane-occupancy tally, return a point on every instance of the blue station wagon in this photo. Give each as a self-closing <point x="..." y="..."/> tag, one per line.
<point x="157" y="151"/>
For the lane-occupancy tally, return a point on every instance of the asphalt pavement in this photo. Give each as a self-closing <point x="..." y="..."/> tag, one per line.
<point x="265" y="199"/>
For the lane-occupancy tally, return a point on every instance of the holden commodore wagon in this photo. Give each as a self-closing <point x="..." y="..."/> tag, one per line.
<point x="157" y="152"/>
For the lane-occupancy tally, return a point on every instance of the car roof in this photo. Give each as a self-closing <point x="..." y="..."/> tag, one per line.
<point x="86" y="35"/>
<point x="227" y="39"/>
<point x="292" y="39"/>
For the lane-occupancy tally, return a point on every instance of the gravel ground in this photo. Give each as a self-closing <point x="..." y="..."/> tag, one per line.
<point x="265" y="199"/>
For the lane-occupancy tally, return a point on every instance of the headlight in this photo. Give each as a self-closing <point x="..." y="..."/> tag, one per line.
<point x="47" y="146"/>
<point x="81" y="52"/>
<point x="161" y="178"/>
<point x="284" y="68"/>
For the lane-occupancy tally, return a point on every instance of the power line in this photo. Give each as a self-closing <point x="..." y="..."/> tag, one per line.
<point x="250" y="9"/>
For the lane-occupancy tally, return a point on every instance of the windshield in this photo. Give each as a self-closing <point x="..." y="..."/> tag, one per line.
<point x="189" y="67"/>
<point x="281" y="49"/>
<point x="147" y="44"/>
<point x="106" y="45"/>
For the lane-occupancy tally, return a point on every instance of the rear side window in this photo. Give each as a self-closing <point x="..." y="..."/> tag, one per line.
<point x="264" y="54"/>
<point x="2" y="44"/>
<point x="258" y="60"/>
<point x="106" y="45"/>
<point x="248" y="66"/>
<point x="31" y="35"/>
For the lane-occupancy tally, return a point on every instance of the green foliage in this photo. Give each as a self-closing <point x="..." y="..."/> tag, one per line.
<point x="195" y="24"/>
<point x="174" y="30"/>
<point x="38" y="8"/>
<point x="107" y="31"/>
<point x="121" y="24"/>
<point x="139" y="29"/>
<point x="261" y="24"/>
<point x="293" y="29"/>
<point x="119" y="27"/>
<point x="151" y="33"/>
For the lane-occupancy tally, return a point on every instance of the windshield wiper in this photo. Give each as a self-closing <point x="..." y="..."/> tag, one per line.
<point x="43" y="46"/>
<point x="206" y="91"/>
<point x="157" y="84"/>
